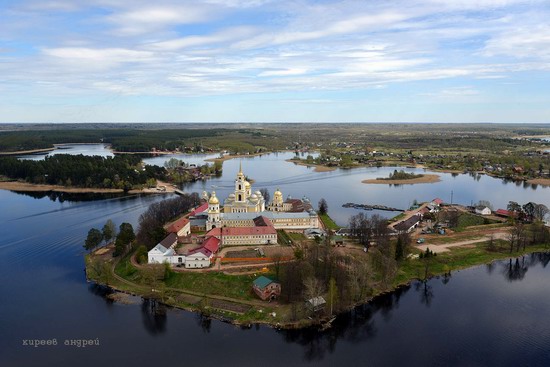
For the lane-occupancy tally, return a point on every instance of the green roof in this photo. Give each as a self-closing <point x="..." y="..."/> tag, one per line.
<point x="262" y="282"/>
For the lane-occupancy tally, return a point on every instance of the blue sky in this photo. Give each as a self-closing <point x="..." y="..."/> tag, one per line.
<point x="275" y="61"/>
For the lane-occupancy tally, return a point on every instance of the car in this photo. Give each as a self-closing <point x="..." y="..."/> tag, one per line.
<point x="420" y="240"/>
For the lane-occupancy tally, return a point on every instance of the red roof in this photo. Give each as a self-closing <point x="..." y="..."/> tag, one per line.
<point x="200" y="209"/>
<point x="241" y="231"/>
<point x="438" y="201"/>
<point x="178" y="225"/>
<point x="505" y="213"/>
<point x="212" y="244"/>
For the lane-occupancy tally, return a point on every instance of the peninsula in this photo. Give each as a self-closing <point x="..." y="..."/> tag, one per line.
<point x="251" y="259"/>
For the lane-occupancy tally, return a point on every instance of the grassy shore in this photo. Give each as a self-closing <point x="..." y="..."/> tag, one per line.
<point x="328" y="222"/>
<point x="6" y="184"/>
<point x="230" y="298"/>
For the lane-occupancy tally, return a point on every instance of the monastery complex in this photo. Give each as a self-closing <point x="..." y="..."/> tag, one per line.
<point x="244" y="219"/>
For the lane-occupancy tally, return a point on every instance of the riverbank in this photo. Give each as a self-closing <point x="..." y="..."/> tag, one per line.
<point x="318" y="167"/>
<point x="426" y="178"/>
<point x="232" y="156"/>
<point x="29" y="187"/>
<point x="228" y="297"/>
<point x="539" y="181"/>
<point x="32" y="151"/>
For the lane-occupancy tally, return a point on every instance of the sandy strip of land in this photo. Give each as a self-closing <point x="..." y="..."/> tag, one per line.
<point x="32" y="151"/>
<point x="540" y="181"/>
<point x="231" y="156"/>
<point x="318" y="167"/>
<point x="29" y="187"/>
<point x="419" y="180"/>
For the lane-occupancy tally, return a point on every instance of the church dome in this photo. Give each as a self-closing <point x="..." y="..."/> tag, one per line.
<point x="247" y="184"/>
<point x="254" y="197"/>
<point x="232" y="196"/>
<point x="258" y="193"/>
<point x="213" y="199"/>
<point x="278" y="194"/>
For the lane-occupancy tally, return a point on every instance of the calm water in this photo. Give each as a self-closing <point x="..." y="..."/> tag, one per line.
<point x="483" y="316"/>
<point x="490" y="316"/>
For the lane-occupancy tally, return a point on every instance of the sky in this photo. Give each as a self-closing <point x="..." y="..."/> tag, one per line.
<point x="275" y="61"/>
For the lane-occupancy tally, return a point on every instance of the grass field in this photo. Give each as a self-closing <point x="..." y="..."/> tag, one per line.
<point x="328" y="222"/>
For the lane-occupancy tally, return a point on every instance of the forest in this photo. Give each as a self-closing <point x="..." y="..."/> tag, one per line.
<point x="118" y="172"/>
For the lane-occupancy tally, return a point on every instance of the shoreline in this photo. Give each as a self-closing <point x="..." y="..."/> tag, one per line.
<point x="426" y="178"/>
<point x="29" y="187"/>
<point x="539" y="181"/>
<point x="30" y="151"/>
<point x="233" y="156"/>
<point x="318" y="167"/>
<point x="221" y="314"/>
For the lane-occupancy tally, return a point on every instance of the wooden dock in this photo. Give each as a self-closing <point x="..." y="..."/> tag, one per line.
<point x="372" y="207"/>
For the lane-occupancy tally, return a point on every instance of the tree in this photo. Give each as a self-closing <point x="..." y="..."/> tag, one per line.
<point x="485" y="203"/>
<point x="277" y="257"/>
<point x="323" y="206"/>
<point x="332" y="293"/>
<point x="173" y="163"/>
<point x="312" y="287"/>
<point x="125" y="237"/>
<point x="94" y="238"/>
<point x="265" y="194"/>
<point x="514" y="207"/>
<point x="540" y="211"/>
<point x="109" y="230"/>
<point x="399" y="251"/>
<point x="529" y="210"/>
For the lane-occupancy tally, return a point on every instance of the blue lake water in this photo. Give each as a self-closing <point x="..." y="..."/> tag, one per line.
<point x="495" y="315"/>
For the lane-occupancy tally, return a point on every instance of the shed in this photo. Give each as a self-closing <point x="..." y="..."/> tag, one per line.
<point x="316" y="304"/>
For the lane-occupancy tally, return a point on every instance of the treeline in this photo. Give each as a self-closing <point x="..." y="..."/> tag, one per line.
<point x="128" y="140"/>
<point x="119" y="172"/>
<point x="151" y="222"/>
<point x="136" y="140"/>
<point x="344" y="279"/>
<point x="401" y="175"/>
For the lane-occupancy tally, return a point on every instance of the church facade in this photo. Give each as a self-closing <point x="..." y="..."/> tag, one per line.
<point x="243" y="206"/>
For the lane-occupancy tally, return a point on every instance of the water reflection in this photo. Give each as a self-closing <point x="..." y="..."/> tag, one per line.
<point x="153" y="316"/>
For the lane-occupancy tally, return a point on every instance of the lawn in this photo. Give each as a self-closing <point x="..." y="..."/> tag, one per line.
<point x="235" y="286"/>
<point x="468" y="220"/>
<point x="328" y="222"/>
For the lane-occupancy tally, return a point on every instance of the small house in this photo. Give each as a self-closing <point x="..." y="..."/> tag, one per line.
<point x="482" y="210"/>
<point x="407" y="225"/>
<point x="266" y="288"/>
<point x="316" y="304"/>
<point x="198" y="258"/>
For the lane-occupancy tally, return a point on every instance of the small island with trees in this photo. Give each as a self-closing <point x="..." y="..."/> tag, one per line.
<point x="401" y="177"/>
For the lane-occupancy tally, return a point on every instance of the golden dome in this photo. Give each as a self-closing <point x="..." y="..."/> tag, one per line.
<point x="247" y="184"/>
<point x="213" y="199"/>
<point x="277" y="193"/>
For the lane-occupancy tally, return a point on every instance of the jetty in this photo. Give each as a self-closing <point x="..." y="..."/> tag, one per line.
<point x="372" y="207"/>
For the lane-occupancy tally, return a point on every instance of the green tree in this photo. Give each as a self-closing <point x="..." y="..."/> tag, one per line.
<point x="93" y="239"/>
<point x="399" y="249"/>
<point x="323" y="206"/>
<point x="109" y="230"/>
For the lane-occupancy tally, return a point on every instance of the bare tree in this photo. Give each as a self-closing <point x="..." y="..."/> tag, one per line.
<point x="265" y="194"/>
<point x="312" y="287"/>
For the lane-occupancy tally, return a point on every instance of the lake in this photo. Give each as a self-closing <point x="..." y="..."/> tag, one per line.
<point x="341" y="186"/>
<point x="489" y="316"/>
<point x="496" y="315"/>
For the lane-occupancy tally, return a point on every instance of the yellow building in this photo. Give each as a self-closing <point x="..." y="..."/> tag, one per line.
<point x="243" y="200"/>
<point x="242" y="206"/>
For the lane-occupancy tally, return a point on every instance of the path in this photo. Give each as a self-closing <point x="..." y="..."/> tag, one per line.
<point x="444" y="247"/>
<point x="185" y="291"/>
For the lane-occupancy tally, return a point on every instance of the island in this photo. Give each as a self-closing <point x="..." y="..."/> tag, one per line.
<point x="401" y="177"/>
<point x="253" y="257"/>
